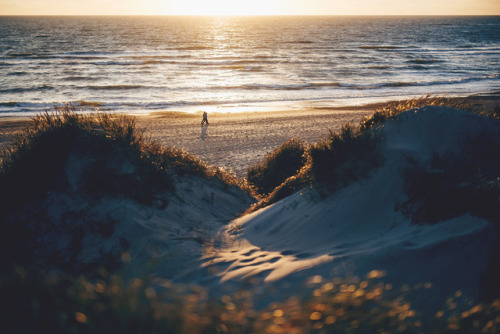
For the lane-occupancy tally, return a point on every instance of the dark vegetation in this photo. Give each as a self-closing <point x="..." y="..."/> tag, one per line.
<point x="64" y="304"/>
<point x="277" y="166"/>
<point x="65" y="165"/>
<point x="352" y="153"/>
<point x="392" y="109"/>
<point x="453" y="185"/>
<point x="71" y="158"/>
<point x="344" y="157"/>
<point x="335" y="162"/>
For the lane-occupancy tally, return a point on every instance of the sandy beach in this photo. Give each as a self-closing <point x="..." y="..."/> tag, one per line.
<point x="347" y="179"/>
<point x="231" y="141"/>
<point x="382" y="226"/>
<point x="235" y="141"/>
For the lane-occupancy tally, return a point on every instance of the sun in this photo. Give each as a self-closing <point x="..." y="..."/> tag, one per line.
<point x="227" y="7"/>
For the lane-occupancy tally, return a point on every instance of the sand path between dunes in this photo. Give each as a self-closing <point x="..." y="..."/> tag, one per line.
<point x="236" y="141"/>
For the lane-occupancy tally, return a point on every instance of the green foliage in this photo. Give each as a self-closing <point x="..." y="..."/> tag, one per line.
<point x="450" y="186"/>
<point x="95" y="155"/>
<point x="277" y="166"/>
<point x="288" y="187"/>
<point x="340" y="159"/>
<point x="344" y="157"/>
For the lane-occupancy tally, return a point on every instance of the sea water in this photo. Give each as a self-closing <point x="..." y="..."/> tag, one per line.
<point x="142" y="64"/>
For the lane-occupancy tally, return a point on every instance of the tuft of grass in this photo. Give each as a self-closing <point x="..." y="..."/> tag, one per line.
<point x="450" y="187"/>
<point x="392" y="109"/>
<point x="291" y="185"/>
<point x="95" y="155"/>
<point x="337" y="161"/>
<point x="344" y="157"/>
<point x="277" y="166"/>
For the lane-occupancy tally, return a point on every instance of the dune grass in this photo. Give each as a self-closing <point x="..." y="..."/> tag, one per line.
<point x="65" y="164"/>
<point x="52" y="303"/>
<point x="349" y="154"/>
<point x="392" y="109"/>
<point x="328" y="165"/>
<point x="344" y="157"/>
<point x="277" y="166"/>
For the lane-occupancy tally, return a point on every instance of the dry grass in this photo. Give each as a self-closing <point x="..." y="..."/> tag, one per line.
<point x="277" y="166"/>
<point x="351" y="154"/>
<point x="333" y="163"/>
<point x="392" y="109"/>
<point x="50" y="303"/>
<point x="65" y="164"/>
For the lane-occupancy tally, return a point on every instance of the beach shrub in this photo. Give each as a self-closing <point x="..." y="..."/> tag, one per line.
<point x="448" y="187"/>
<point x="282" y="163"/>
<point x="465" y="180"/>
<point x="290" y="186"/>
<point x="344" y="157"/>
<point x="333" y="163"/>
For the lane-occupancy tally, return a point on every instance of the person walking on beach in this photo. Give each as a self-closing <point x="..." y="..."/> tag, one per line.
<point x="205" y="118"/>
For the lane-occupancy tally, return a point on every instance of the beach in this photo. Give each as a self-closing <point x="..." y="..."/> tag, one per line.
<point x="230" y="141"/>
<point x="381" y="224"/>
<point x="235" y="141"/>
<point x="346" y="179"/>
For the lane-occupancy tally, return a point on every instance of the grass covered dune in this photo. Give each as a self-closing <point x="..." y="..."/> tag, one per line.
<point x="387" y="226"/>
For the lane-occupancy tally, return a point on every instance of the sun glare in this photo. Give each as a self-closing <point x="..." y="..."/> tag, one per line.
<point x="228" y="7"/>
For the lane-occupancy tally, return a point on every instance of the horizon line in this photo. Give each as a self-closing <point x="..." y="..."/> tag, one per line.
<point x="259" y="15"/>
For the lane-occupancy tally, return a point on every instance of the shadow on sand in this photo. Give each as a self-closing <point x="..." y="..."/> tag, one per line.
<point x="204" y="133"/>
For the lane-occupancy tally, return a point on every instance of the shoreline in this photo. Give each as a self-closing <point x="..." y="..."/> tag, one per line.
<point x="235" y="141"/>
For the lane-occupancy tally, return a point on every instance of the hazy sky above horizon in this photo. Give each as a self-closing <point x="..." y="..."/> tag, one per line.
<point x="245" y="7"/>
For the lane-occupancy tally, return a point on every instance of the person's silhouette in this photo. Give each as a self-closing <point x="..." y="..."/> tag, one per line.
<point x="205" y="118"/>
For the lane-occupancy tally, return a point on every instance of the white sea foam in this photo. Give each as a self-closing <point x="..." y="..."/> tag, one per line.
<point x="131" y="64"/>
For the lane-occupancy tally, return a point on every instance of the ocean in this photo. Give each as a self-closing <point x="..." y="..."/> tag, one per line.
<point x="138" y="64"/>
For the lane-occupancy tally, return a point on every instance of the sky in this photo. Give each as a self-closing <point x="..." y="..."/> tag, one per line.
<point x="249" y="7"/>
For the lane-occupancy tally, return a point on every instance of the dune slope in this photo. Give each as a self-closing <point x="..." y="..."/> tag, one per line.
<point x="405" y="218"/>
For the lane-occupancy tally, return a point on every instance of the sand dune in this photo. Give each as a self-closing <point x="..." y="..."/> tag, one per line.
<point x="375" y="223"/>
<point x="359" y="228"/>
